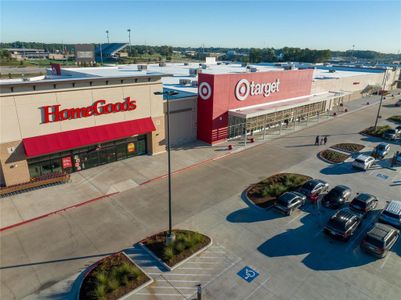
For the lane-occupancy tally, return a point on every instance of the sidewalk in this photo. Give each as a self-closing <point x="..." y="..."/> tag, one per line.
<point x="95" y="184"/>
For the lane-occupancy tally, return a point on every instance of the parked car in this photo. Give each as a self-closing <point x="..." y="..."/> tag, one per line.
<point x="290" y="201"/>
<point x="398" y="103"/>
<point x="313" y="188"/>
<point x="391" y="134"/>
<point x="343" y="224"/>
<point x="380" y="239"/>
<point x="398" y="157"/>
<point x="381" y="150"/>
<point x="337" y="196"/>
<point x="363" y="162"/>
<point x="363" y="203"/>
<point x="391" y="214"/>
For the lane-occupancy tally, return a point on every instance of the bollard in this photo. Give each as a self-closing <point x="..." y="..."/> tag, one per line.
<point x="367" y="103"/>
<point x="346" y="110"/>
<point x="230" y="147"/>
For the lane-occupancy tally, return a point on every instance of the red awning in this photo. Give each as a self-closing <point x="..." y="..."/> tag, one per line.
<point x="62" y="141"/>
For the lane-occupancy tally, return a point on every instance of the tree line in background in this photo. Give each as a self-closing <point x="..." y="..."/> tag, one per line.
<point x="252" y="55"/>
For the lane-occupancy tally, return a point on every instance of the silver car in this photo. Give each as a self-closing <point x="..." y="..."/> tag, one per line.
<point x="391" y="214"/>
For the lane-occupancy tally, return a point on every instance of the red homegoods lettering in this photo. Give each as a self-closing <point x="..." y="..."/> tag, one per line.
<point x="244" y="88"/>
<point x="53" y="113"/>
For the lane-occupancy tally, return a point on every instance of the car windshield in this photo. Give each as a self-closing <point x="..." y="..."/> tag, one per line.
<point x="374" y="242"/>
<point x="334" y="194"/>
<point x="359" y="203"/>
<point x="285" y="199"/>
<point x="381" y="147"/>
<point x="336" y="224"/>
<point x="391" y="131"/>
<point x="360" y="161"/>
<point x="390" y="214"/>
<point x="309" y="185"/>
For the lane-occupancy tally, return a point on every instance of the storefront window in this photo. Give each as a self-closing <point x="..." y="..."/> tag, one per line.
<point x="87" y="157"/>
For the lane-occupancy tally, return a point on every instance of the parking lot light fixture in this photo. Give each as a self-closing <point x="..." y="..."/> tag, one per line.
<point x="168" y="94"/>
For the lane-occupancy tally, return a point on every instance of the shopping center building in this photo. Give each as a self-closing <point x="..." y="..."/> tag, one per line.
<point x="78" y="118"/>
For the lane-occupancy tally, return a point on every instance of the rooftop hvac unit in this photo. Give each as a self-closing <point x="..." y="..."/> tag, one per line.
<point x="253" y="69"/>
<point x="193" y="72"/>
<point x="186" y="64"/>
<point x="332" y="71"/>
<point x="162" y="64"/>
<point x="244" y="64"/>
<point x="185" y="81"/>
<point x="204" y="66"/>
<point x="194" y="83"/>
<point x="142" y="67"/>
<point x="219" y="63"/>
<point x="290" y="67"/>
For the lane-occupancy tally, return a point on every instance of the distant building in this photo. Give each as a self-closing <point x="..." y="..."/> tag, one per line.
<point x="85" y="54"/>
<point x="28" y="53"/>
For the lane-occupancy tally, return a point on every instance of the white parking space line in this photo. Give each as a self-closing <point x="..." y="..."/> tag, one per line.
<point x="203" y="262"/>
<point x="385" y="260"/>
<point x="175" y="274"/>
<point x="174" y="287"/>
<point x="164" y="295"/>
<point x="300" y="215"/>
<point x="185" y="268"/>
<point x="176" y="280"/>
<point x="255" y="290"/>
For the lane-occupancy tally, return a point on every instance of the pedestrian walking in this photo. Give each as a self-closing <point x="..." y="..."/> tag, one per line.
<point x="325" y="140"/>
<point x="317" y="140"/>
<point x="321" y="141"/>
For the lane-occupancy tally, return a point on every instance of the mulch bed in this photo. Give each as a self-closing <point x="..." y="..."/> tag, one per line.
<point x="157" y="243"/>
<point x="90" y="281"/>
<point x="254" y="192"/>
<point x="348" y="147"/>
<point x="333" y="156"/>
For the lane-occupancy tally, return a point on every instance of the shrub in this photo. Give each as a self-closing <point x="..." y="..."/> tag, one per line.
<point x="168" y="253"/>
<point x="113" y="284"/>
<point x="100" y="291"/>
<point x="101" y="278"/>
<point x="396" y="119"/>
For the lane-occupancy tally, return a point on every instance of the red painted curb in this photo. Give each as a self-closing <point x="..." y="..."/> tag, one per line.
<point x="56" y="211"/>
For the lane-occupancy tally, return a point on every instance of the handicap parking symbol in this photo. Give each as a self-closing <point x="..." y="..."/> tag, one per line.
<point x="382" y="176"/>
<point x="248" y="274"/>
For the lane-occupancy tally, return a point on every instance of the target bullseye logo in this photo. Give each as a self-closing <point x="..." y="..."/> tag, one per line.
<point x="205" y="90"/>
<point x="242" y="89"/>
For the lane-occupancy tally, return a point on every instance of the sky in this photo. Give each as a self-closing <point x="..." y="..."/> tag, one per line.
<point x="336" y="25"/>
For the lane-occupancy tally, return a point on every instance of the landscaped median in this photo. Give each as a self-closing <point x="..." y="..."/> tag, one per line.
<point x="395" y="119"/>
<point x="265" y="193"/>
<point x="378" y="132"/>
<point x="185" y="245"/>
<point x="114" y="277"/>
<point x="339" y="153"/>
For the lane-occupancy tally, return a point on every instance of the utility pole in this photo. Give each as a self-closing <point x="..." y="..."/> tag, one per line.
<point x="129" y="40"/>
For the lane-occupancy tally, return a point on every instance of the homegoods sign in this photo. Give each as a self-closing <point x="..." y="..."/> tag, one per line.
<point x="244" y="88"/>
<point x="55" y="113"/>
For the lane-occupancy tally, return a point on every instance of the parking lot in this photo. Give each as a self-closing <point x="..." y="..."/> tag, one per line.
<point x="293" y="256"/>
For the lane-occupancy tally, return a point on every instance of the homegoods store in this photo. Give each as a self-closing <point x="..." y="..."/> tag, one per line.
<point x="84" y="117"/>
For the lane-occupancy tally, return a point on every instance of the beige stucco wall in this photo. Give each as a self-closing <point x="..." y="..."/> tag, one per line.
<point x="21" y="116"/>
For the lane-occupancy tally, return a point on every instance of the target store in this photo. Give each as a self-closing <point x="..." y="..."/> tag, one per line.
<point x="79" y="118"/>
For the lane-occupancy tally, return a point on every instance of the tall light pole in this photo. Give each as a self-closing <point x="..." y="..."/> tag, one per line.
<point x="170" y="235"/>
<point x="129" y="39"/>
<point x="381" y="97"/>
<point x="107" y="35"/>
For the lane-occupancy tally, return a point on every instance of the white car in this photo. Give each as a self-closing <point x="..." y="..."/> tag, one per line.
<point x="363" y="162"/>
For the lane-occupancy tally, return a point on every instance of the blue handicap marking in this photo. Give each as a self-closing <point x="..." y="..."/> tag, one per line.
<point x="382" y="176"/>
<point x="248" y="274"/>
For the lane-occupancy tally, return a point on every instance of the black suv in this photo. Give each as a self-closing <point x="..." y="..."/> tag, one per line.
<point x="380" y="239"/>
<point x="337" y="196"/>
<point x="313" y="188"/>
<point x="343" y="224"/>
<point x="290" y="201"/>
<point x="363" y="203"/>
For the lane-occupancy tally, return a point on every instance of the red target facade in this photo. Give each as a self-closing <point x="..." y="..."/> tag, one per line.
<point x="219" y="93"/>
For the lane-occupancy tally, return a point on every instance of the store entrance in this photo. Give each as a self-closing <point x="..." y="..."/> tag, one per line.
<point x="88" y="157"/>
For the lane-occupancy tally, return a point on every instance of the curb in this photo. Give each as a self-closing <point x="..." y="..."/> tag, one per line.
<point x="177" y="264"/>
<point x="150" y="279"/>
<point x="56" y="212"/>
<point x="249" y="202"/>
<point x="331" y="162"/>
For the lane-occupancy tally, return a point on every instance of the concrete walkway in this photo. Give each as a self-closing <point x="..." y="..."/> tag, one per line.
<point x="36" y="256"/>
<point x="120" y="176"/>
